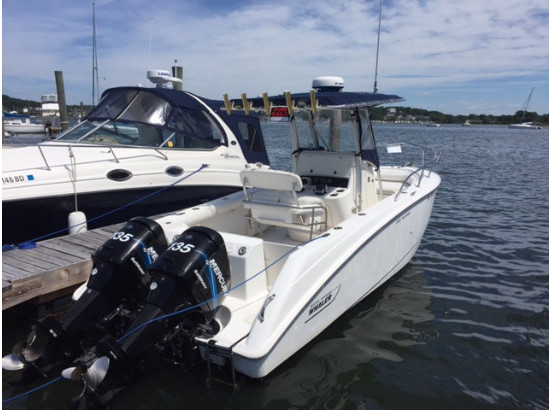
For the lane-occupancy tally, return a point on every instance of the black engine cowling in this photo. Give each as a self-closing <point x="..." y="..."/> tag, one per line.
<point x="188" y="283"/>
<point x="120" y="271"/>
<point x="194" y="270"/>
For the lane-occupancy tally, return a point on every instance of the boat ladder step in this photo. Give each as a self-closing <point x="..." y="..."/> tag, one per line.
<point x="220" y="352"/>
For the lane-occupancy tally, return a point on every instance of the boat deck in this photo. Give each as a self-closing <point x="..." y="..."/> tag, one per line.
<point x="53" y="266"/>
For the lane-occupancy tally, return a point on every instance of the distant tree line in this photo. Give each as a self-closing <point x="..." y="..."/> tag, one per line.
<point x="14" y="104"/>
<point x="403" y="113"/>
<point x="377" y="114"/>
<point x="10" y="104"/>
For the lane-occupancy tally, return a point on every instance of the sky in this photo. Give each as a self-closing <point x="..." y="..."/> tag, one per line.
<point x="453" y="56"/>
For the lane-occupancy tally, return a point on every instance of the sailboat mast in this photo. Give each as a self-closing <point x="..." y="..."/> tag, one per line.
<point x="526" y="104"/>
<point x="375" y="90"/>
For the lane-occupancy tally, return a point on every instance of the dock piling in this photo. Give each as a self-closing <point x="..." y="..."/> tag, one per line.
<point x="61" y="99"/>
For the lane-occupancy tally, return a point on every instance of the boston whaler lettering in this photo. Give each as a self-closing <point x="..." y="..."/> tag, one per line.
<point x="247" y="280"/>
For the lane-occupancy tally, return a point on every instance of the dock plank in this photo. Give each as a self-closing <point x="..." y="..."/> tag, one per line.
<point x="54" y="256"/>
<point x="55" y="264"/>
<point x="29" y="259"/>
<point x="72" y="251"/>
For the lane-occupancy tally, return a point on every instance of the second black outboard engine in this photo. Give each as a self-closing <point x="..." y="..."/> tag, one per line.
<point x="188" y="282"/>
<point x="120" y="273"/>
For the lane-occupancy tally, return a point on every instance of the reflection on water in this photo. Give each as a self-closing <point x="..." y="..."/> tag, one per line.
<point x="340" y="358"/>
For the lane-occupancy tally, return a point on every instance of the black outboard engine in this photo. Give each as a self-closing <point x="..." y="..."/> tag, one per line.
<point x="120" y="273"/>
<point x="188" y="283"/>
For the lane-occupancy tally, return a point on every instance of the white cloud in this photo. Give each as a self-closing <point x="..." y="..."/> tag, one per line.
<point x="262" y="46"/>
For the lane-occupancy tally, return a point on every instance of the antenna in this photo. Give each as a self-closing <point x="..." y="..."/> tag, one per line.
<point x="377" y="49"/>
<point x="95" y="79"/>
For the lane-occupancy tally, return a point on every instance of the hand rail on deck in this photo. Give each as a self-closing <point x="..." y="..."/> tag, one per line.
<point x="110" y="148"/>
<point x="424" y="167"/>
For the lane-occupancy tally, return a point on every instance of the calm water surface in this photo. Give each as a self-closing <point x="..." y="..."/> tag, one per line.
<point x="463" y="326"/>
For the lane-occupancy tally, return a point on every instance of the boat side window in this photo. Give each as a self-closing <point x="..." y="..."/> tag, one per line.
<point x="74" y="134"/>
<point x="335" y="130"/>
<point x="250" y="135"/>
<point x="112" y="104"/>
<point x="306" y="139"/>
<point x="148" y="136"/>
<point x="112" y="132"/>
<point x="193" y="130"/>
<point x="367" y="136"/>
<point x="330" y="130"/>
<point x="147" y="108"/>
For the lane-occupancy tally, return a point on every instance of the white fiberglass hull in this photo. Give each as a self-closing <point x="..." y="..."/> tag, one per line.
<point x="54" y="169"/>
<point x="42" y="184"/>
<point x="524" y="126"/>
<point x="321" y="280"/>
<point x="24" y="128"/>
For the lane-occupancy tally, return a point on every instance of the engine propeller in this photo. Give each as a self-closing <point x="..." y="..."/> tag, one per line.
<point x="92" y="375"/>
<point x="12" y="362"/>
<point x="23" y="353"/>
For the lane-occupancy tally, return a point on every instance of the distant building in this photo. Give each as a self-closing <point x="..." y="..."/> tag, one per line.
<point x="390" y="114"/>
<point x="50" y="106"/>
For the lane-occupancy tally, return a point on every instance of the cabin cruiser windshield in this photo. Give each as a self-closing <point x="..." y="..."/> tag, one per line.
<point x="139" y="118"/>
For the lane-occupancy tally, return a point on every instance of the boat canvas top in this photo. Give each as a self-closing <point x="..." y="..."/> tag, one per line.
<point x="349" y="109"/>
<point x="166" y="115"/>
<point x="332" y="99"/>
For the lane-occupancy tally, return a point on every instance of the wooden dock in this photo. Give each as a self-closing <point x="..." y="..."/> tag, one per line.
<point x="53" y="266"/>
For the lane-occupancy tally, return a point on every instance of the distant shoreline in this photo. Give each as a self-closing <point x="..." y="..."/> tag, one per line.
<point x="387" y="114"/>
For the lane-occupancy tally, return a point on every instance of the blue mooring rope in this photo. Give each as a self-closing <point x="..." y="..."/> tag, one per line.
<point x="31" y="244"/>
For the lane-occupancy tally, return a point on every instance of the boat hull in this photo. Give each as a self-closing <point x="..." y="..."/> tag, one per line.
<point x="524" y="126"/>
<point x="29" y="219"/>
<point x="25" y="129"/>
<point x="38" y="191"/>
<point x="324" y="278"/>
<point x="354" y="280"/>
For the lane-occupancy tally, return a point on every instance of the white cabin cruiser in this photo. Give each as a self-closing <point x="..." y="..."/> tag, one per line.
<point x="133" y="143"/>
<point x="248" y="279"/>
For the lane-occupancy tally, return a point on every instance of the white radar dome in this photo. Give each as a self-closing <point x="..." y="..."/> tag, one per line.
<point x="328" y="83"/>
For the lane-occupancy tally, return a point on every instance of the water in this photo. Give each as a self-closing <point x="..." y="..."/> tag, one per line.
<point x="463" y="326"/>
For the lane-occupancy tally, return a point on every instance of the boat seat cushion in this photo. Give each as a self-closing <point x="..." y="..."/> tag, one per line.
<point x="271" y="179"/>
<point x="274" y="200"/>
<point x="275" y="206"/>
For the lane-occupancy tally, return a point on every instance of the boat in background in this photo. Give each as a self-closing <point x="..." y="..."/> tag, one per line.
<point x="50" y="105"/>
<point x="526" y="125"/>
<point x="135" y="142"/>
<point x="16" y="124"/>
<point x="248" y="279"/>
